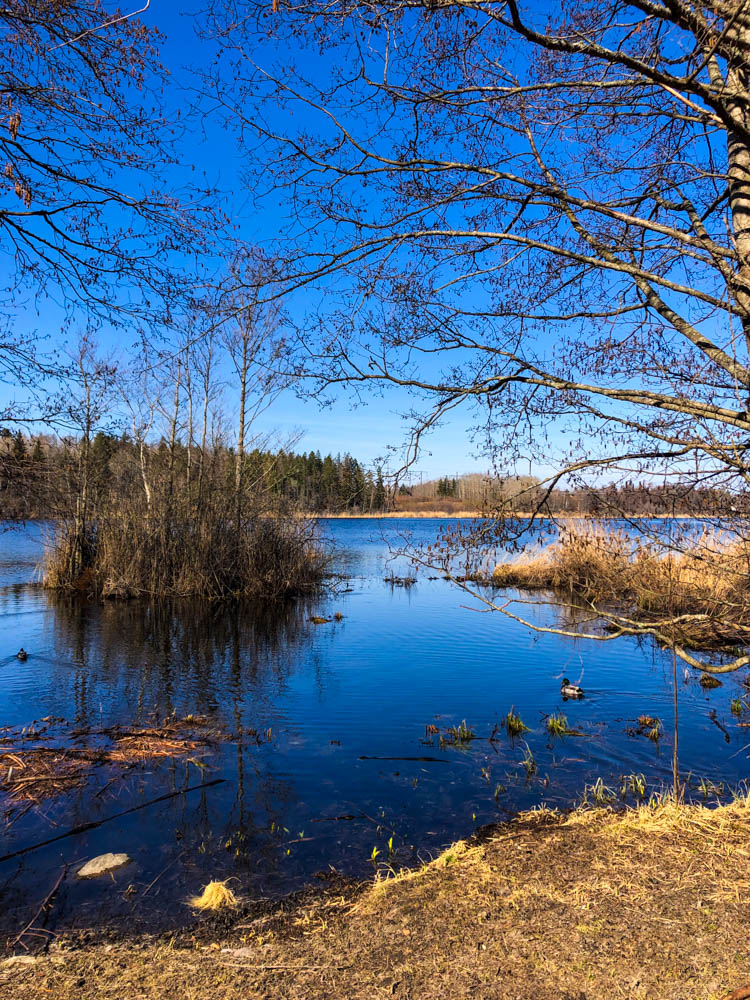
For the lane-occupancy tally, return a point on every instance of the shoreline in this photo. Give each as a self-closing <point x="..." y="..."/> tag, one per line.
<point x="643" y="903"/>
<point x="476" y="515"/>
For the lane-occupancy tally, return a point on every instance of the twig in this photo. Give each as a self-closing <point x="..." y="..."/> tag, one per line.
<point x="164" y="869"/>
<point x="45" y="902"/>
<point x="712" y="717"/>
<point x="432" y="760"/>
<point x="382" y="825"/>
<point x="289" y="968"/>
<point x="100" y="27"/>
<point x="100" y="822"/>
<point x="739" y="994"/>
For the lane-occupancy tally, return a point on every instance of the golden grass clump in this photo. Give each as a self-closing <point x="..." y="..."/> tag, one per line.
<point x="215" y="896"/>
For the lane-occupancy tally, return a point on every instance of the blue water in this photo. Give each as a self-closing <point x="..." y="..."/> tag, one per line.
<point x="400" y="660"/>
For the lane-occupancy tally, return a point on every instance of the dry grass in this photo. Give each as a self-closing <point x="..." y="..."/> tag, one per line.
<point x="35" y="773"/>
<point x="649" y="903"/>
<point x="174" y="550"/>
<point x="215" y="896"/>
<point x="605" y="566"/>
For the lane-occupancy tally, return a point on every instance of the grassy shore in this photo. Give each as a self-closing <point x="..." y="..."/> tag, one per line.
<point x="650" y="903"/>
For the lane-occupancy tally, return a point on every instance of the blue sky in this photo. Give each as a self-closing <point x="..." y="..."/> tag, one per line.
<point x="369" y="429"/>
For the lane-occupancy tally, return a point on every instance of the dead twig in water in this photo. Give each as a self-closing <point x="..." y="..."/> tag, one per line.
<point x="432" y="760"/>
<point x="45" y="903"/>
<point x="713" y="718"/>
<point x="164" y="869"/>
<point x="83" y="827"/>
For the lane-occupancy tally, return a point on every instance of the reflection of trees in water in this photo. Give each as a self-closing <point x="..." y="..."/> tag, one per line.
<point x="228" y="660"/>
<point x="137" y="658"/>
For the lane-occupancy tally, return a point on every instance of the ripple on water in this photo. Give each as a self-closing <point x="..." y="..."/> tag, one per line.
<point x="339" y="699"/>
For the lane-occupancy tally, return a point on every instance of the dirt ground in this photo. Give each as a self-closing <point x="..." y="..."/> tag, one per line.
<point x="652" y="903"/>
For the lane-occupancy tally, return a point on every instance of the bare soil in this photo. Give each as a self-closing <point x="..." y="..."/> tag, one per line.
<point x="651" y="903"/>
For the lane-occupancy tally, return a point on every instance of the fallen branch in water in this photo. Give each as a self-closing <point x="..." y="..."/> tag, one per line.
<point x="83" y="827"/>
<point x="45" y="903"/>
<point x="432" y="760"/>
<point x="712" y="716"/>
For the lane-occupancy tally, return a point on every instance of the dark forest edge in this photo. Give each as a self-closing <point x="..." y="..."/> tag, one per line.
<point x="39" y="473"/>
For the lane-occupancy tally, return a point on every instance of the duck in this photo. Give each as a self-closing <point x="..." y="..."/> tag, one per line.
<point x="22" y="654"/>
<point x="568" y="690"/>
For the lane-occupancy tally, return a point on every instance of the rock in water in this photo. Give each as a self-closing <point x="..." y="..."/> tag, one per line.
<point x="103" y="864"/>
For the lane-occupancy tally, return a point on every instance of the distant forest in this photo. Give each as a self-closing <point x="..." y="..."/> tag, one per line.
<point x="38" y="473"/>
<point x="522" y="494"/>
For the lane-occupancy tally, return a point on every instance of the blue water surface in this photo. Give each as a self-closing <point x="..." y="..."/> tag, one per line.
<point x="320" y="723"/>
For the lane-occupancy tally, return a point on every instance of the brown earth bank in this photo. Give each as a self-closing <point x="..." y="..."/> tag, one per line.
<point x="651" y="903"/>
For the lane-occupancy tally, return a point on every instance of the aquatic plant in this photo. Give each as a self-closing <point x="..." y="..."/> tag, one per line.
<point x="650" y="726"/>
<point x="514" y="724"/>
<point x="706" y="788"/>
<point x="599" y="793"/>
<point x="635" y="784"/>
<point x="736" y="706"/>
<point x="557" y="725"/>
<point x="529" y="763"/>
<point x="461" y="733"/>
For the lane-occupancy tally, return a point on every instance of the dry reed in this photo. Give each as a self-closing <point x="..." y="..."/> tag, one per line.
<point x="604" y="567"/>
<point x="172" y="548"/>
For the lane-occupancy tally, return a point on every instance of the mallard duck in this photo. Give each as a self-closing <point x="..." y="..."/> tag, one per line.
<point x="568" y="690"/>
<point x="22" y="654"/>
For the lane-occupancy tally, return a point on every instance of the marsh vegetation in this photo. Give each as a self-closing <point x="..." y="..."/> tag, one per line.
<point x="699" y="596"/>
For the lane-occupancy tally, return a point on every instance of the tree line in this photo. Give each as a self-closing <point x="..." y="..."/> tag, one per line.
<point x="38" y="472"/>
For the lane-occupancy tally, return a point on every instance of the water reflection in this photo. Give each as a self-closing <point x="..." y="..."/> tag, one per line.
<point x="324" y="729"/>
<point x="158" y="659"/>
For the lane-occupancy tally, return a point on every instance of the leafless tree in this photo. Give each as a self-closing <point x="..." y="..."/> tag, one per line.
<point x="539" y="211"/>
<point x="254" y="343"/>
<point x="83" y="135"/>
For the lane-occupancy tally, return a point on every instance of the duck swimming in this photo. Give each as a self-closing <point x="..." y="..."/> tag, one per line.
<point x="568" y="690"/>
<point x="22" y="654"/>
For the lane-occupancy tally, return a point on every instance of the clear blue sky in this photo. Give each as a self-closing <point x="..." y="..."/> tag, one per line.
<point x="368" y="429"/>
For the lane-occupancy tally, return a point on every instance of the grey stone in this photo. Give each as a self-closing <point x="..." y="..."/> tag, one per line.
<point x="103" y="864"/>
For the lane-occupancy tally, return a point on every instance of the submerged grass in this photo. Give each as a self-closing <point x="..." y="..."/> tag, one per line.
<point x="710" y="580"/>
<point x="33" y="773"/>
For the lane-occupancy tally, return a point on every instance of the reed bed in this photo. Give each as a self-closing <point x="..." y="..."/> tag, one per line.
<point x="179" y="552"/>
<point x="708" y="583"/>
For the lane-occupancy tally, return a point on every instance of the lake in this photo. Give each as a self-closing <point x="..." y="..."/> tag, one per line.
<point x="320" y="722"/>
